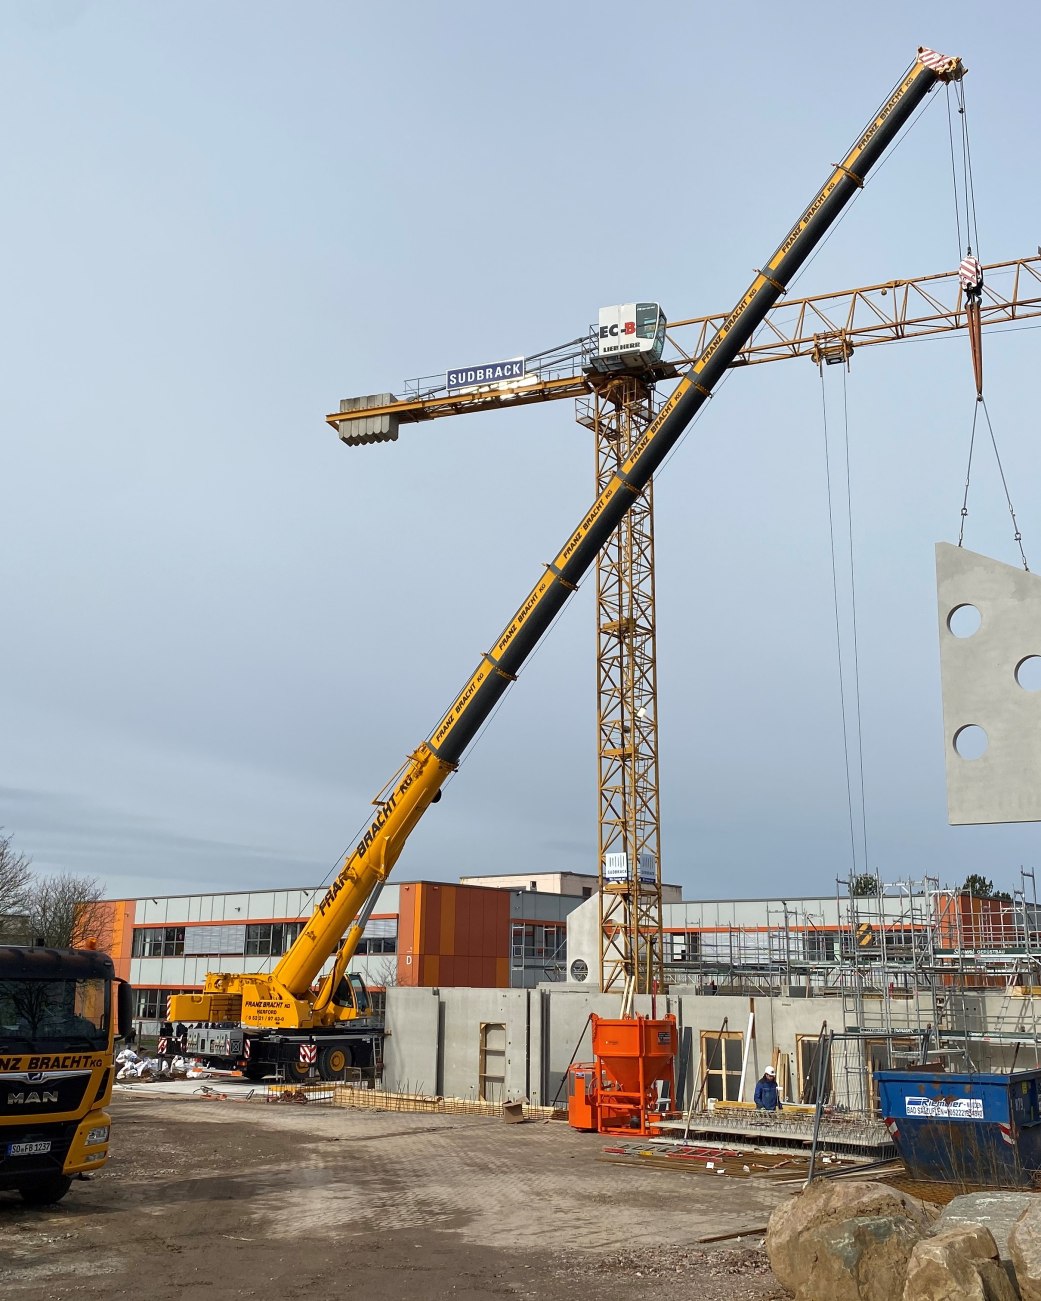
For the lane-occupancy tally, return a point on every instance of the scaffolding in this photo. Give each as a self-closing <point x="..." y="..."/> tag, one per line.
<point x="919" y="973"/>
<point x="538" y="953"/>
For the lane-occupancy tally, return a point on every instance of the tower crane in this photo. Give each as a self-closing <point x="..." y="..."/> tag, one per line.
<point x="296" y="1018"/>
<point x="617" y="403"/>
<point x="615" y="397"/>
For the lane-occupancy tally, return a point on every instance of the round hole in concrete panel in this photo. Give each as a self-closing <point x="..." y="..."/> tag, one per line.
<point x="964" y="620"/>
<point x="1028" y="673"/>
<point x="970" y="741"/>
<point x="579" y="969"/>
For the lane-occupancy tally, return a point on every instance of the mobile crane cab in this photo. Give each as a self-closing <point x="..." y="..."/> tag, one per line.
<point x="629" y="337"/>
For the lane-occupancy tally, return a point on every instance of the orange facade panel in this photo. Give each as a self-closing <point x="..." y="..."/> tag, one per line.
<point x="113" y="920"/>
<point x="453" y="935"/>
<point x="449" y="907"/>
<point x="408" y="934"/>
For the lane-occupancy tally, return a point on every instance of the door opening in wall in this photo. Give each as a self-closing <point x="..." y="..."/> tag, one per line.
<point x="491" y="1071"/>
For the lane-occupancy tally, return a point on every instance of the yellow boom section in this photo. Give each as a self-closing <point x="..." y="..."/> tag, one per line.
<point x="285" y="998"/>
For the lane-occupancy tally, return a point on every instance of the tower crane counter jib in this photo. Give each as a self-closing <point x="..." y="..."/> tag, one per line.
<point x="278" y="1016"/>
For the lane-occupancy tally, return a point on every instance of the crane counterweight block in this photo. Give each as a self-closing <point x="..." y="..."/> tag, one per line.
<point x="380" y="427"/>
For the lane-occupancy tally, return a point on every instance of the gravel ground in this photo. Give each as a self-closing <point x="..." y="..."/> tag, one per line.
<point x="207" y="1199"/>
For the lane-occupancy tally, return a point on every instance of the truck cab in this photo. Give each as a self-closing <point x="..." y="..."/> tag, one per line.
<point x="60" y="1010"/>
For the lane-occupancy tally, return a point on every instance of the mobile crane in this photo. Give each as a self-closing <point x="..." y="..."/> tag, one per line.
<point x="295" y="1019"/>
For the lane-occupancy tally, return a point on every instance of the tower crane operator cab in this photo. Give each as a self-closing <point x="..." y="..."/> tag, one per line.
<point x="628" y="337"/>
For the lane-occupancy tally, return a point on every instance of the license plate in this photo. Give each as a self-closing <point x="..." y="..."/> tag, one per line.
<point x="28" y="1149"/>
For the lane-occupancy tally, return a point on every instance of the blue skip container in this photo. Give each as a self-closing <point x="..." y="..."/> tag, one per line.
<point x="968" y="1129"/>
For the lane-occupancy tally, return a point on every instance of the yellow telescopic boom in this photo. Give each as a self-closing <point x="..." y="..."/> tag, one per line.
<point x="285" y="997"/>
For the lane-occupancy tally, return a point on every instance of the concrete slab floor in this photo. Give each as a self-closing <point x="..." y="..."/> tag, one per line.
<point x="218" y="1199"/>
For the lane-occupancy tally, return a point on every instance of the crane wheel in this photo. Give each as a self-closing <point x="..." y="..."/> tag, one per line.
<point x="296" y="1072"/>
<point x="333" y="1062"/>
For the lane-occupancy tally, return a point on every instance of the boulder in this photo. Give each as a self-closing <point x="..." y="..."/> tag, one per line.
<point x="997" y="1211"/>
<point x="829" y="1202"/>
<point x="1024" y="1245"/>
<point x="863" y="1259"/>
<point x="959" y="1263"/>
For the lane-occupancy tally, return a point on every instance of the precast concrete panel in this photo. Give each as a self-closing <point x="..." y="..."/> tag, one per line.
<point x="583" y="944"/>
<point x="410" y="1051"/>
<point x="463" y="1012"/>
<point x="985" y="684"/>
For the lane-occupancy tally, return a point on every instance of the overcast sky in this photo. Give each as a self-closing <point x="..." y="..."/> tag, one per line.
<point x="224" y="630"/>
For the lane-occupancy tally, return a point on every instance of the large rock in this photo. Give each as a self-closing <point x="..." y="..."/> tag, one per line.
<point x="996" y="1211"/>
<point x="790" y="1241"/>
<point x="1024" y="1245"/>
<point x="958" y="1264"/>
<point x="863" y="1259"/>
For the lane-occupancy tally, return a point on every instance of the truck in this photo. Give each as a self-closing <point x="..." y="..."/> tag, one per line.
<point x="60" y="1011"/>
<point x="297" y="1020"/>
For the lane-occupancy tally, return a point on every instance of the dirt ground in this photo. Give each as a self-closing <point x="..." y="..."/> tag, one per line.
<point x="211" y="1199"/>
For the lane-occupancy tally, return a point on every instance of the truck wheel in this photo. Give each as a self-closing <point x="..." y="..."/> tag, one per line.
<point x="297" y="1072"/>
<point x="333" y="1062"/>
<point x="42" y="1192"/>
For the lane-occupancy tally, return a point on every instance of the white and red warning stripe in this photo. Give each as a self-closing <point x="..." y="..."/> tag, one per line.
<point x="892" y="1126"/>
<point x="245" y="1049"/>
<point x="1006" y="1133"/>
<point x="970" y="272"/>
<point x="308" y="1054"/>
<point x="933" y="59"/>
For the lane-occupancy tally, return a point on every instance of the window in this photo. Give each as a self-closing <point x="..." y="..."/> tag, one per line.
<point x="820" y="946"/>
<point x="271" y="939"/>
<point x="686" y="946"/>
<point x="150" y="1004"/>
<point x="646" y="320"/>
<point x="535" y="943"/>
<point x="158" y="942"/>
<point x="721" y="1064"/>
<point x="587" y="892"/>
<point x="377" y="944"/>
<point x="53" y="1014"/>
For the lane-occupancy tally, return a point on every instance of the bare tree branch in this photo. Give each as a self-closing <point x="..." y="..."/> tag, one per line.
<point x="67" y="910"/>
<point x="16" y="880"/>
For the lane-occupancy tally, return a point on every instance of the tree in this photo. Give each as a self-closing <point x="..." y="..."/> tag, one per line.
<point x="978" y="885"/>
<point x="66" y="910"/>
<point x="15" y="886"/>
<point x="864" y="883"/>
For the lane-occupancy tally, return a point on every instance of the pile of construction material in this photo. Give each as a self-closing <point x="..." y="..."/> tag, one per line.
<point x="860" y="1241"/>
<point x="132" y="1066"/>
<point x="739" y="1163"/>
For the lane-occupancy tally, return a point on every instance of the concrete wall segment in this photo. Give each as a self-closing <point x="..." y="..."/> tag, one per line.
<point x="410" y="1051"/>
<point x="979" y="687"/>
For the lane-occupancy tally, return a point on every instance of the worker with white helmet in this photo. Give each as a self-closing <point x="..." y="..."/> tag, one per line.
<point x="767" y="1095"/>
